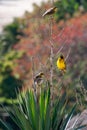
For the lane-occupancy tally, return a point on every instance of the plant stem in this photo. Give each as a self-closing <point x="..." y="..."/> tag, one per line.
<point x="34" y="85"/>
<point x="51" y="62"/>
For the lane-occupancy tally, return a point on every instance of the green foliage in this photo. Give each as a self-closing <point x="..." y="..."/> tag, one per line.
<point x="9" y="37"/>
<point x="66" y="8"/>
<point x="8" y="82"/>
<point x="33" y="115"/>
<point x="84" y="3"/>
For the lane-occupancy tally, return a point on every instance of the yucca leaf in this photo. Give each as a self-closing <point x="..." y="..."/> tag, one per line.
<point x="32" y="110"/>
<point x="67" y="120"/>
<point x="47" y="121"/>
<point x="5" y="125"/>
<point x="21" y="118"/>
<point x="18" y="116"/>
<point x="54" y="118"/>
<point x="47" y="113"/>
<point x="41" y="109"/>
<point x="31" y="115"/>
<point x="28" y="107"/>
<point x="58" y="112"/>
<point x="21" y="102"/>
<point x="47" y="98"/>
<point x="14" y="118"/>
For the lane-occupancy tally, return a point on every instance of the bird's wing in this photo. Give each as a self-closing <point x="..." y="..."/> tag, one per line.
<point x="48" y="11"/>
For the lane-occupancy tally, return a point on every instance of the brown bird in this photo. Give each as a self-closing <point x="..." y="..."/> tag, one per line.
<point x="50" y="11"/>
<point x="39" y="78"/>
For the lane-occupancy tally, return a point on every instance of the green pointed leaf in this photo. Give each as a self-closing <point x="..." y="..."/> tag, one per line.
<point x="65" y="124"/>
<point x="5" y="125"/>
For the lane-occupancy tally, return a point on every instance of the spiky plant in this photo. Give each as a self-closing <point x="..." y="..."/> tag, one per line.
<point x="37" y="114"/>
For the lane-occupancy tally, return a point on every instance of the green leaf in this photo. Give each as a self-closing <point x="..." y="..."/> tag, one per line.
<point x="5" y="125"/>
<point x="66" y="122"/>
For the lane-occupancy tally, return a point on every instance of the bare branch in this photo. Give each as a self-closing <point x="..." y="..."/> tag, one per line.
<point x="60" y="48"/>
<point x="68" y="54"/>
<point x="60" y="34"/>
<point x="34" y="85"/>
<point x="40" y="63"/>
<point x="69" y="51"/>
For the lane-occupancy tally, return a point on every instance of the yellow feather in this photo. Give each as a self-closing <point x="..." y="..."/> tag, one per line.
<point x="61" y="64"/>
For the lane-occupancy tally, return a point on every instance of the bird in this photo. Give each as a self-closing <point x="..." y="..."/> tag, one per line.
<point x="50" y="11"/>
<point x="61" y="64"/>
<point x="39" y="78"/>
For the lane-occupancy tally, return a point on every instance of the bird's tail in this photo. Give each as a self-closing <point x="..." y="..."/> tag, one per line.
<point x="64" y="71"/>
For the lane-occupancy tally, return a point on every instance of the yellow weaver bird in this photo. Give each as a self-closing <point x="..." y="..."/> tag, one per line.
<point x="38" y="79"/>
<point x="61" y="63"/>
<point x="50" y="11"/>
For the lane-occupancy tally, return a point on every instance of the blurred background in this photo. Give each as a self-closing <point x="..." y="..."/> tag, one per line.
<point x="25" y="33"/>
<point x="14" y="8"/>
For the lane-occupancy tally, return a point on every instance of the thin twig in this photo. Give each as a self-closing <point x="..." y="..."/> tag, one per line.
<point x="83" y="90"/>
<point x="51" y="70"/>
<point x="51" y="31"/>
<point x="69" y="52"/>
<point x="76" y="97"/>
<point x="52" y="40"/>
<point x="40" y="63"/>
<point x="51" y="62"/>
<point x="60" y="34"/>
<point x="34" y="85"/>
<point x="60" y="48"/>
